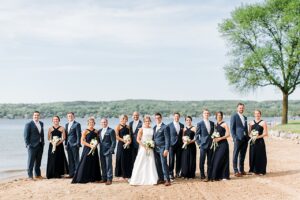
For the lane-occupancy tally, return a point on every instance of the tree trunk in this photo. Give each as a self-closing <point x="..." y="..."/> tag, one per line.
<point x="285" y="105"/>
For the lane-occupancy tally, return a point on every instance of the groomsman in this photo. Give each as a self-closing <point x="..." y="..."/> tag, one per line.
<point x="34" y="141"/>
<point x="72" y="142"/>
<point x="205" y="128"/>
<point x="161" y="139"/>
<point x="107" y="138"/>
<point x="135" y="125"/>
<point x="239" y="133"/>
<point x="176" y="130"/>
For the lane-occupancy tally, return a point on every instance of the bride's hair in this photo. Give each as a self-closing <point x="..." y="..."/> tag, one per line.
<point x="147" y="117"/>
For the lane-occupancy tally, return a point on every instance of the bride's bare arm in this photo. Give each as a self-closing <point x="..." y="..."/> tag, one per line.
<point x="139" y="137"/>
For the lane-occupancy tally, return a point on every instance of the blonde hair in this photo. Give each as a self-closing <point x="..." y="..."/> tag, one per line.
<point x="147" y="117"/>
<point x="91" y="119"/>
<point x="123" y="116"/>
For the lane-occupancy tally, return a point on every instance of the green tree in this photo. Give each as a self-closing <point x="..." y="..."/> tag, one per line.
<point x="264" y="40"/>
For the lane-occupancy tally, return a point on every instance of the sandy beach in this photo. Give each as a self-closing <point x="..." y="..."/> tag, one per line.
<point x="281" y="182"/>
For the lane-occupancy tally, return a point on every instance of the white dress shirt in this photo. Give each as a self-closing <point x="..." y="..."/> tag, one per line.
<point x="158" y="127"/>
<point x="207" y="124"/>
<point x="70" y="125"/>
<point x="242" y="118"/>
<point x="103" y="132"/>
<point x="134" y="125"/>
<point x="38" y="125"/>
<point x="177" y="126"/>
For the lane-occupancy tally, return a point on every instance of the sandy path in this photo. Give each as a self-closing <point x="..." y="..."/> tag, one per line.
<point x="281" y="182"/>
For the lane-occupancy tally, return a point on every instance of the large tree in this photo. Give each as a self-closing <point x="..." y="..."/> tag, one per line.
<point x="264" y="40"/>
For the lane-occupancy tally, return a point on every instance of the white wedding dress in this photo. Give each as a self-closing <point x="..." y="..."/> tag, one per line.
<point x="144" y="169"/>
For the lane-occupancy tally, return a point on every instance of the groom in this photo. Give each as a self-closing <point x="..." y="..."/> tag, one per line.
<point x="161" y="139"/>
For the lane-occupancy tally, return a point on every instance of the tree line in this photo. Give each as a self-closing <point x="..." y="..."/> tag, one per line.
<point x="167" y="108"/>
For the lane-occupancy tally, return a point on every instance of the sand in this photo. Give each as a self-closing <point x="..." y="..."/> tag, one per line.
<point x="281" y="182"/>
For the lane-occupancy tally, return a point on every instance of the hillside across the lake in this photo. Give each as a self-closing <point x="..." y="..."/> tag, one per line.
<point x="167" y="108"/>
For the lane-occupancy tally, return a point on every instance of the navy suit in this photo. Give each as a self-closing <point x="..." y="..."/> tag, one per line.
<point x="204" y="141"/>
<point x="135" y="144"/>
<point x="107" y="148"/>
<point x="175" y="148"/>
<point x="161" y="139"/>
<point x="34" y="141"/>
<point x="239" y="133"/>
<point x="72" y="142"/>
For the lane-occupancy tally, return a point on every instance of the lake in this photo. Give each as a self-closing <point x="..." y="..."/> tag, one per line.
<point x="13" y="154"/>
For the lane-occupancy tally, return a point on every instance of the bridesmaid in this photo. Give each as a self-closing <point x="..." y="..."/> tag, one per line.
<point x="220" y="158"/>
<point x="124" y="163"/>
<point x="57" y="163"/>
<point x="89" y="167"/>
<point x="258" y="155"/>
<point x="188" y="156"/>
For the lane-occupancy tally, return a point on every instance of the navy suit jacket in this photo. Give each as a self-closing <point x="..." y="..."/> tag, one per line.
<point x="161" y="137"/>
<point x="32" y="136"/>
<point x="239" y="131"/>
<point x="108" y="143"/>
<point x="134" y="134"/>
<point x="73" y="137"/>
<point x="174" y="137"/>
<point x="203" y="138"/>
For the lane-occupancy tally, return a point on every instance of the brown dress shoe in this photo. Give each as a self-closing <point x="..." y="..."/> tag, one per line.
<point x="244" y="173"/>
<point x="238" y="175"/>
<point x="108" y="183"/>
<point x="167" y="183"/>
<point x="39" y="177"/>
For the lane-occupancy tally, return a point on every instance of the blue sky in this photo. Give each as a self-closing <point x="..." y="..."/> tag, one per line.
<point x="68" y="50"/>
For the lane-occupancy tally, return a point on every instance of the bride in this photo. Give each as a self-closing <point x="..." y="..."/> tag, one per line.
<point x="144" y="170"/>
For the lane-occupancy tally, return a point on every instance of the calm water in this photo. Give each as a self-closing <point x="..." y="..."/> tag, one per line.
<point x="13" y="154"/>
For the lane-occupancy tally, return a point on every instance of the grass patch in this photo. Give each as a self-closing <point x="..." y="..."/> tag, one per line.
<point x="292" y="126"/>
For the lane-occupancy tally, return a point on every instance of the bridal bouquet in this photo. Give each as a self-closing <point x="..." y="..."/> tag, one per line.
<point x="126" y="139"/>
<point x="186" y="141"/>
<point x="54" y="142"/>
<point x="253" y="135"/>
<point x="149" y="144"/>
<point x="94" y="143"/>
<point x="214" y="144"/>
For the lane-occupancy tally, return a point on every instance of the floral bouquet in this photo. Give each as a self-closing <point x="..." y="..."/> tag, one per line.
<point x="253" y="135"/>
<point x="54" y="142"/>
<point x="186" y="141"/>
<point x="149" y="144"/>
<point x="126" y="139"/>
<point x="94" y="143"/>
<point x="214" y="144"/>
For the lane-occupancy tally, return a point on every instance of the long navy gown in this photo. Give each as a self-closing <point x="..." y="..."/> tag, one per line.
<point x="257" y="154"/>
<point x="57" y="164"/>
<point x="220" y="158"/>
<point x="188" y="157"/>
<point x="124" y="158"/>
<point x="89" y="166"/>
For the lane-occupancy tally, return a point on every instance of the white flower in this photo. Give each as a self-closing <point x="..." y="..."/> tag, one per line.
<point x="94" y="143"/>
<point x="253" y="136"/>
<point x="214" y="144"/>
<point x="186" y="141"/>
<point x="149" y="144"/>
<point x="54" y="141"/>
<point x="127" y="140"/>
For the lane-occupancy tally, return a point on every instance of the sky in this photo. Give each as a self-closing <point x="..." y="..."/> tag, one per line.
<point x="99" y="50"/>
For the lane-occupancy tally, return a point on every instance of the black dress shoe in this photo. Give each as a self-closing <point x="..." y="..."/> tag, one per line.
<point x="178" y="176"/>
<point x="160" y="182"/>
<point x="172" y="177"/>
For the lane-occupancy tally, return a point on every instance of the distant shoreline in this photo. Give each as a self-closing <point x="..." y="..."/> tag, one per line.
<point x="167" y="108"/>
